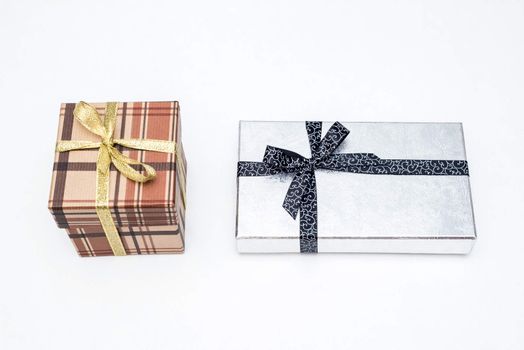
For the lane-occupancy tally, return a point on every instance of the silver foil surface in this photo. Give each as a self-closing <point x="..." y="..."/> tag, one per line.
<point x="359" y="212"/>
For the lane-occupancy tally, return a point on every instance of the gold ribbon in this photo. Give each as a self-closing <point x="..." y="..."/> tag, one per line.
<point x="107" y="154"/>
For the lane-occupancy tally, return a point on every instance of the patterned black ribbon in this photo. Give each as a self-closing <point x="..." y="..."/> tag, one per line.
<point x="302" y="193"/>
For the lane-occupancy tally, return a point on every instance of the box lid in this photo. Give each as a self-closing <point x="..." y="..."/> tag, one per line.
<point x="73" y="183"/>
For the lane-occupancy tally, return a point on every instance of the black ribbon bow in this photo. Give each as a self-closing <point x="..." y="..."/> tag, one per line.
<point x="302" y="193"/>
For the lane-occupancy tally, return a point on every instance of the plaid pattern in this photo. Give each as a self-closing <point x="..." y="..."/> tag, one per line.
<point x="141" y="206"/>
<point x="91" y="240"/>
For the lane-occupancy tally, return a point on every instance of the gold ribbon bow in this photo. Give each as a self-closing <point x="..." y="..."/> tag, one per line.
<point x="107" y="154"/>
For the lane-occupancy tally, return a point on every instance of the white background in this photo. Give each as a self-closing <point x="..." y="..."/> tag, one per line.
<point x="267" y="60"/>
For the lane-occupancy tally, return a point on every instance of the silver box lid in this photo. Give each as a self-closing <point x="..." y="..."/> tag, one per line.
<point x="358" y="212"/>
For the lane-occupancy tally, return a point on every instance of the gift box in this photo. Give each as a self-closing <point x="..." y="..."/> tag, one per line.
<point x="118" y="183"/>
<point x="353" y="187"/>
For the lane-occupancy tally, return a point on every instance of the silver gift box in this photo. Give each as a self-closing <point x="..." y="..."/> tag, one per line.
<point x="357" y="212"/>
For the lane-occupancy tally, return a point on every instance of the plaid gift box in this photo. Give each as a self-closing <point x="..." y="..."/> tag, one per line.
<point x="153" y="210"/>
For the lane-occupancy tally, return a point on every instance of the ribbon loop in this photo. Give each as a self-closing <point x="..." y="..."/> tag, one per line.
<point x="336" y="134"/>
<point x="284" y="160"/>
<point x="89" y="118"/>
<point x="314" y="134"/>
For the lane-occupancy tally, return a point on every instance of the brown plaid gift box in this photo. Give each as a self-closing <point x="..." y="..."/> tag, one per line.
<point x="149" y="216"/>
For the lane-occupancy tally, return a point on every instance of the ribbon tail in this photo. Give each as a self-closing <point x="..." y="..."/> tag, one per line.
<point x="123" y="164"/>
<point x="309" y="216"/>
<point x="295" y="193"/>
<point x="102" y="202"/>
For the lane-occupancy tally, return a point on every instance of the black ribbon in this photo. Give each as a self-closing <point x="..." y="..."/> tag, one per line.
<point x="302" y="193"/>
